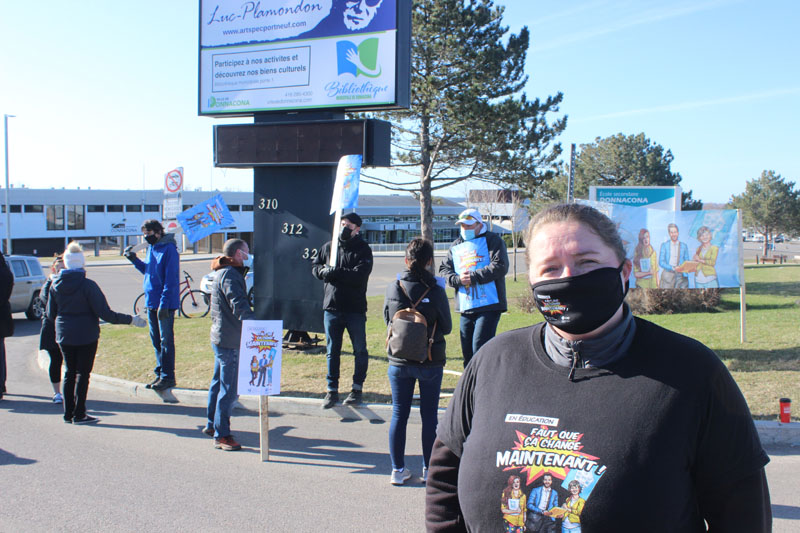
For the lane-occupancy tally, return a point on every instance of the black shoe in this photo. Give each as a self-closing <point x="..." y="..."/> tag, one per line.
<point x="86" y="420"/>
<point x="163" y="384"/>
<point x="208" y="431"/>
<point x="331" y="398"/>
<point x="150" y="385"/>
<point x="354" y="398"/>
<point x="67" y="420"/>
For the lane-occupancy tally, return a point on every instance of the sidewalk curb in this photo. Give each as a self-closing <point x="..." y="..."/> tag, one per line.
<point x="770" y="432"/>
<point x="375" y="413"/>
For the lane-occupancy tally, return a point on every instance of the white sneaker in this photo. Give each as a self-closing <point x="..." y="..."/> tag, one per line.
<point x="400" y="476"/>
<point x="57" y="398"/>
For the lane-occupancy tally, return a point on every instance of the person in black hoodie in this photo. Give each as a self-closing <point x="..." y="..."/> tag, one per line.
<point x="412" y="285"/>
<point x="76" y="305"/>
<point x="345" y="305"/>
<point x="47" y="335"/>
<point x="6" y="321"/>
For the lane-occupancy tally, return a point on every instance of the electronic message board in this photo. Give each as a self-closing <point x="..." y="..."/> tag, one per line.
<point x="284" y="55"/>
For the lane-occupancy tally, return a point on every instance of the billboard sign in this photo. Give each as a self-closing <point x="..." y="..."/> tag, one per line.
<point x="302" y="54"/>
<point x="668" y="198"/>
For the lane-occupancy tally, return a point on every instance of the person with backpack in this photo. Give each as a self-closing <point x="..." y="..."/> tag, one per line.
<point x="415" y="354"/>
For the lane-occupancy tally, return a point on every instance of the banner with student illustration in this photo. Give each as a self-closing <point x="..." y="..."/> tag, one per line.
<point x="469" y="256"/>
<point x="260" y="353"/>
<point x="678" y="249"/>
<point x="205" y="218"/>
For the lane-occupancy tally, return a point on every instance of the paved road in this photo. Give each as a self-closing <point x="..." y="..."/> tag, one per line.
<point x="147" y="467"/>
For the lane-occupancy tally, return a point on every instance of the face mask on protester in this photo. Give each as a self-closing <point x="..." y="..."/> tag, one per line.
<point x="248" y="261"/>
<point x="346" y="233"/>
<point x="467" y="234"/>
<point x="151" y="239"/>
<point x="580" y="304"/>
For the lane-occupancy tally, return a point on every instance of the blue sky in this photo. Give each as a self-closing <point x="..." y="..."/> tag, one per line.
<point x="105" y="93"/>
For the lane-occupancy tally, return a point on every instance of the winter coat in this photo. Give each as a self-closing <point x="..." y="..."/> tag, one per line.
<point x="494" y="272"/>
<point x="6" y="286"/>
<point x="229" y="303"/>
<point x="346" y="285"/>
<point x="161" y="274"/>
<point x="76" y="305"/>
<point x="434" y="307"/>
<point x="47" y="335"/>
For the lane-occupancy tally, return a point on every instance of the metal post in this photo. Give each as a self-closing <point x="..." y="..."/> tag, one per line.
<point x="8" y="208"/>
<point x="571" y="184"/>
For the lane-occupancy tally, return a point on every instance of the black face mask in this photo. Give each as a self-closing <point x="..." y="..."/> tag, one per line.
<point x="151" y="239"/>
<point x="580" y="304"/>
<point x="346" y="233"/>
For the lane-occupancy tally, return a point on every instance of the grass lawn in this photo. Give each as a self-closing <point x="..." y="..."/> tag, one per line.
<point x="766" y="367"/>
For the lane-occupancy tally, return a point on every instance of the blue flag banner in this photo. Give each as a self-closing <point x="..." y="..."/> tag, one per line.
<point x="205" y="218"/>
<point x="678" y="249"/>
<point x="467" y="257"/>
<point x="345" y="189"/>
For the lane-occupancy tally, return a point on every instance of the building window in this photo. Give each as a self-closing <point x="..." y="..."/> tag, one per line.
<point x="233" y="208"/>
<point x="55" y="217"/>
<point x="114" y="208"/>
<point x="75" y="217"/>
<point x="133" y="208"/>
<point x="15" y="209"/>
<point x="95" y="209"/>
<point x="186" y="207"/>
<point x="247" y="207"/>
<point x="151" y="208"/>
<point x="34" y="209"/>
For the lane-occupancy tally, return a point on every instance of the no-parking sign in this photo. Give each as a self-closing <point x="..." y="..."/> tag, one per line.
<point x="173" y="181"/>
<point x="173" y="193"/>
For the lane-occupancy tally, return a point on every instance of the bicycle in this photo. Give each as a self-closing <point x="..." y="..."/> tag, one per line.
<point x="194" y="302"/>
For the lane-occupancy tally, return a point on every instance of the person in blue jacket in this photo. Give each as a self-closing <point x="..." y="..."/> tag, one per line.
<point x="75" y="305"/>
<point x="161" y="272"/>
<point x="673" y="253"/>
<point x="541" y="500"/>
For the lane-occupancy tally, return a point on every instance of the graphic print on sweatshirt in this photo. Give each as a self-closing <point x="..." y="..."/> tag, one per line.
<point x="546" y="455"/>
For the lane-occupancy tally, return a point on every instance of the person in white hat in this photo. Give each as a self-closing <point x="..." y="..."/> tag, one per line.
<point x="479" y="321"/>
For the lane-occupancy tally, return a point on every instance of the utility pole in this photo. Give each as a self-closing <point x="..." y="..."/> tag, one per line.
<point x="8" y="208"/>
<point x="571" y="184"/>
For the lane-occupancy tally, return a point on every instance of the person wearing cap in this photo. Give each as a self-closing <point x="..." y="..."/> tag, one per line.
<point x="478" y="324"/>
<point x="345" y="305"/>
<point x="162" y="290"/>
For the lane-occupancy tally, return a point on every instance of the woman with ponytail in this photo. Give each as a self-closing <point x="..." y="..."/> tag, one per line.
<point x="410" y="287"/>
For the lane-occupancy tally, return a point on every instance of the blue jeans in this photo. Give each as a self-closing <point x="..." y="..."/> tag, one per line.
<point x="402" y="380"/>
<point x="163" y="339"/>
<point x="476" y="330"/>
<point x="222" y="392"/>
<point x="356" y="326"/>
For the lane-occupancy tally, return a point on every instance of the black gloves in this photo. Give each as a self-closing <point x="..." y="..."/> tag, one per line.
<point x="129" y="254"/>
<point x="164" y="314"/>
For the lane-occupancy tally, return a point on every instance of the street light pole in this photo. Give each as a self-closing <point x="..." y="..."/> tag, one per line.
<point x="8" y="209"/>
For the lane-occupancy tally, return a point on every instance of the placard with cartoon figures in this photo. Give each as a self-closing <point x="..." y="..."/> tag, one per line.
<point x="260" y="357"/>
<point x="551" y="476"/>
<point x="678" y="249"/>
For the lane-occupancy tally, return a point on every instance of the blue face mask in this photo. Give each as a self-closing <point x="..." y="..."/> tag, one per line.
<point x="467" y="234"/>
<point x="248" y="261"/>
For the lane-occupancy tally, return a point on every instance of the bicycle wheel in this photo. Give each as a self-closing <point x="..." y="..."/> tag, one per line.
<point x="195" y="304"/>
<point x="138" y="306"/>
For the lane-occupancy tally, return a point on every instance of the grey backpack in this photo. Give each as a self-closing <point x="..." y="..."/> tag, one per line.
<point x="407" y="335"/>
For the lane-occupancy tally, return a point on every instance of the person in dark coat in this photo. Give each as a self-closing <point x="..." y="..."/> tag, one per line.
<point x="47" y="335"/>
<point x="345" y="305"/>
<point x="404" y="373"/>
<point x="6" y="322"/>
<point x="76" y="305"/>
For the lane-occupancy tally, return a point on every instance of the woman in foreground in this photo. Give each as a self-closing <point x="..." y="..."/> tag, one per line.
<point x="650" y="422"/>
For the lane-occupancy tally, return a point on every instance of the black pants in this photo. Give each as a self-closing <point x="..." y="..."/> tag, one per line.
<point x="2" y="365"/>
<point x="79" y="361"/>
<point x="55" y="364"/>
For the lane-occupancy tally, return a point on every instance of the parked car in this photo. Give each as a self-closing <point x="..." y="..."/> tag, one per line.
<point x="28" y="281"/>
<point x="208" y="281"/>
